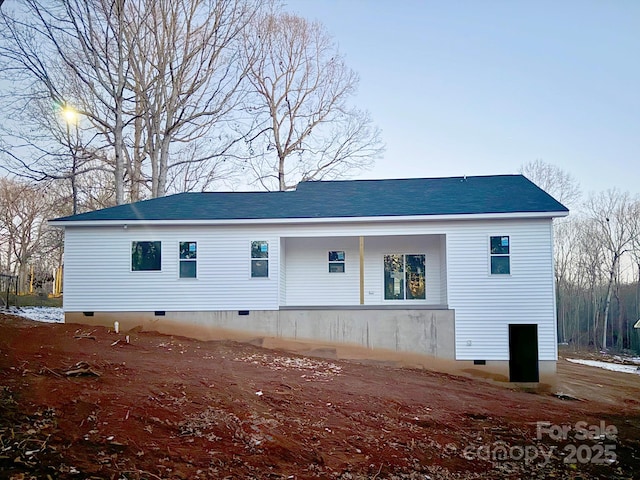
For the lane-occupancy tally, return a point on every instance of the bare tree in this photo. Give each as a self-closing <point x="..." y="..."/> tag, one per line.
<point x="70" y="53"/>
<point x="186" y="79"/>
<point x="635" y="252"/>
<point x="153" y="79"/>
<point x="305" y="129"/>
<point x="564" y="188"/>
<point x="24" y="209"/>
<point x="565" y="245"/>
<point x="56" y="148"/>
<point x="589" y="265"/>
<point x="556" y="182"/>
<point x="613" y="215"/>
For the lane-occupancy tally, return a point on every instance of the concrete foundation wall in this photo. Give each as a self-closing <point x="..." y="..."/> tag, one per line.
<point x="410" y="337"/>
<point x="498" y="370"/>
<point x="426" y="332"/>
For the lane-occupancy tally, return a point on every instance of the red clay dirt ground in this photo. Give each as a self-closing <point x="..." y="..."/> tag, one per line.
<point x="80" y="403"/>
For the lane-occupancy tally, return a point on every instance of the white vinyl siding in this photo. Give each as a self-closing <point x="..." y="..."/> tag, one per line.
<point x="283" y="272"/>
<point x="444" y="298"/>
<point x="486" y="304"/>
<point x="98" y="276"/>
<point x="308" y="281"/>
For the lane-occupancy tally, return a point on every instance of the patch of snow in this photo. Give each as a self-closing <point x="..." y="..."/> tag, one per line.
<point x="39" y="314"/>
<point x="614" y="367"/>
<point x="627" y="359"/>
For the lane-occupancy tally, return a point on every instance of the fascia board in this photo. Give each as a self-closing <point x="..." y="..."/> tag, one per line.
<point x="326" y="220"/>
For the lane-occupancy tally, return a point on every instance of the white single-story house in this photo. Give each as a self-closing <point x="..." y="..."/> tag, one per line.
<point x="458" y="268"/>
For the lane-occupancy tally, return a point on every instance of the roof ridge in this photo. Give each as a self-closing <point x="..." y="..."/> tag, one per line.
<point x="452" y="177"/>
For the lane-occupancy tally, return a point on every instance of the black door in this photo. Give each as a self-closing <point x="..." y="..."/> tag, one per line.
<point x="523" y="353"/>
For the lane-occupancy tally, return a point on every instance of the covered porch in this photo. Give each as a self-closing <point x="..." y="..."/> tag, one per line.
<point x="395" y="271"/>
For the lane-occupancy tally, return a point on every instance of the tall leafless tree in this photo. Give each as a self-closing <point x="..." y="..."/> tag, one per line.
<point x="590" y="266"/>
<point x="613" y="215"/>
<point x="70" y="53"/>
<point x="186" y="79"/>
<point x="301" y="86"/>
<point x="154" y="79"/>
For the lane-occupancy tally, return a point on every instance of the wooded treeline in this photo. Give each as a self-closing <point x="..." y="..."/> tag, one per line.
<point x="597" y="262"/>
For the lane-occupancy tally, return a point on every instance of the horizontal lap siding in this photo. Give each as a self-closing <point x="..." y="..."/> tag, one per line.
<point x="308" y="281"/>
<point x="283" y="273"/>
<point x="486" y="304"/>
<point x="98" y="276"/>
<point x="444" y="297"/>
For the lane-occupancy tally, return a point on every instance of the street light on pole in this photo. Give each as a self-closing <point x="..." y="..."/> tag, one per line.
<point x="70" y="116"/>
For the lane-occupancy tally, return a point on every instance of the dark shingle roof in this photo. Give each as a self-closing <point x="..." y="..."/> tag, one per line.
<point x="353" y="198"/>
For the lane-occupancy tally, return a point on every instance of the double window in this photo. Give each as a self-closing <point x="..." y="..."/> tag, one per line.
<point x="336" y="261"/>
<point x="404" y="277"/>
<point x="188" y="259"/>
<point x="259" y="259"/>
<point x="146" y="256"/>
<point x="500" y="255"/>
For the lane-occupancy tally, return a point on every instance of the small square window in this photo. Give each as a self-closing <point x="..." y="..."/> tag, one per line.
<point x="146" y="256"/>
<point x="336" y="268"/>
<point x="259" y="268"/>
<point x="500" y="245"/>
<point x="336" y="261"/>
<point x="187" y="269"/>
<point x="500" y="265"/>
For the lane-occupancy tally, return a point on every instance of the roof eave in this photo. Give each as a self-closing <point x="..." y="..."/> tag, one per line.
<point x="264" y="221"/>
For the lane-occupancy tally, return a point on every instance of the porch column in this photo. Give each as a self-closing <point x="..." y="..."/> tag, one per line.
<point x="361" y="270"/>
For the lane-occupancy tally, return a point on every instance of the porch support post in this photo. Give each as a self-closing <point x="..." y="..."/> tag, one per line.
<point x="361" y="270"/>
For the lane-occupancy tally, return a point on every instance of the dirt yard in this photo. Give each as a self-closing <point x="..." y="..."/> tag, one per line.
<point x="82" y="403"/>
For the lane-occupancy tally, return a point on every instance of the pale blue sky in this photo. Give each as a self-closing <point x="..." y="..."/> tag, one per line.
<point x="478" y="87"/>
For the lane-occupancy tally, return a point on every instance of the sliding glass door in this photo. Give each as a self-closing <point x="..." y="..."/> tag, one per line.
<point x="404" y="277"/>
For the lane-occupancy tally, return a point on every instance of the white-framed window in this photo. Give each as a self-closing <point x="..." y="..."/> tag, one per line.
<point x="336" y="261"/>
<point x="500" y="254"/>
<point x="405" y="276"/>
<point x="188" y="259"/>
<point x="259" y="259"/>
<point x="146" y="256"/>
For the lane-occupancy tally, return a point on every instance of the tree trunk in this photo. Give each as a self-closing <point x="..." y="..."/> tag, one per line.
<point x="282" y="186"/>
<point x="607" y="302"/>
<point x="119" y="123"/>
<point x="74" y="182"/>
<point x="594" y="311"/>
<point x="164" y="165"/>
